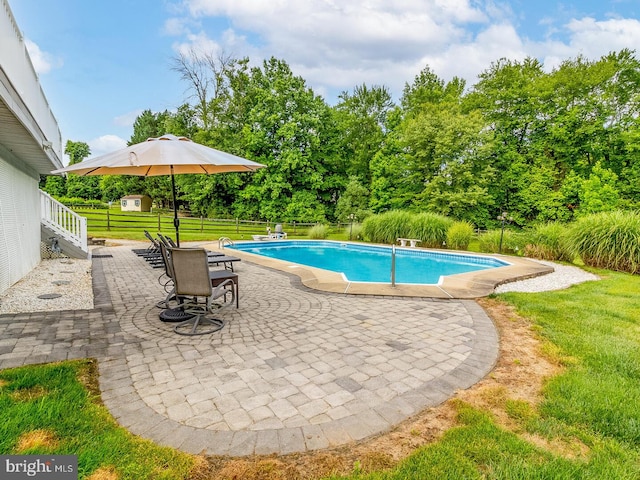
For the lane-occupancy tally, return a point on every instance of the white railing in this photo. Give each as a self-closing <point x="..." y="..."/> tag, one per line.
<point x="65" y="222"/>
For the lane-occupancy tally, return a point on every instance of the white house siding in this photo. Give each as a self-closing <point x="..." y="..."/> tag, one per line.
<point x="19" y="222"/>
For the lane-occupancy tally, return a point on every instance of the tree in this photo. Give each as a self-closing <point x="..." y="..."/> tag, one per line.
<point x="87" y="187"/>
<point x="361" y="120"/>
<point x="507" y="97"/>
<point x="598" y="193"/>
<point x="55" y="185"/>
<point x="353" y="201"/>
<point x="207" y="76"/>
<point x="289" y="129"/>
<point x="393" y="185"/>
<point x="149" y="125"/>
<point x="114" y="187"/>
<point x="455" y="154"/>
<point x="77" y="151"/>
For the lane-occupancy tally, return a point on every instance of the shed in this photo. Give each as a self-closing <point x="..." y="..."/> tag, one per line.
<point x="135" y="203"/>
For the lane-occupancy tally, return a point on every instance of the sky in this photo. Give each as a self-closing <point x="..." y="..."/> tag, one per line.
<point x="101" y="63"/>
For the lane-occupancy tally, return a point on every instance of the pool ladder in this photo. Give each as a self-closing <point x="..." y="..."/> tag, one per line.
<point x="224" y="241"/>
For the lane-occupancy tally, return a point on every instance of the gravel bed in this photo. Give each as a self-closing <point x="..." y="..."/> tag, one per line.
<point x="69" y="278"/>
<point x="562" y="277"/>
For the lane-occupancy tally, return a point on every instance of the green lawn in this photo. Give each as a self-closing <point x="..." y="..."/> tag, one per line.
<point x="49" y="409"/>
<point x="593" y="329"/>
<point x="593" y="404"/>
<point x="131" y="226"/>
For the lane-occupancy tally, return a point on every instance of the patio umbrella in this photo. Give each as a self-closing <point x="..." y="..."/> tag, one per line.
<point x="165" y="155"/>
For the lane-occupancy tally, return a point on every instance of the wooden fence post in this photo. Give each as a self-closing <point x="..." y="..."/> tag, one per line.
<point x="237" y="225"/>
<point x="108" y="221"/>
<point x="201" y="223"/>
<point x="159" y="229"/>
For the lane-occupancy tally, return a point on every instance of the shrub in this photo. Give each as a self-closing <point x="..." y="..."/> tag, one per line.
<point x="387" y="227"/>
<point x="608" y="240"/>
<point x="318" y="232"/>
<point x="459" y="235"/>
<point x="430" y="229"/>
<point x="354" y="232"/>
<point x="512" y="242"/>
<point x="548" y="241"/>
<point x="77" y="202"/>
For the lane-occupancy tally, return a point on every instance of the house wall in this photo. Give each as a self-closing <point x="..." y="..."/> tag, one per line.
<point x="19" y="220"/>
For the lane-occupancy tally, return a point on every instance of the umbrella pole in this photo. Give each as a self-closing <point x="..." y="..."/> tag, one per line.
<point x="176" y="222"/>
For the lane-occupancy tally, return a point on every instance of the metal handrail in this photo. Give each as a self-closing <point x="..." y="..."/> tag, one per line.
<point x="223" y="241"/>
<point x="393" y="265"/>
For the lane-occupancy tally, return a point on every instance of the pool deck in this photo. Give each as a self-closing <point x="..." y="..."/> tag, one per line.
<point x="464" y="285"/>
<point x="295" y="369"/>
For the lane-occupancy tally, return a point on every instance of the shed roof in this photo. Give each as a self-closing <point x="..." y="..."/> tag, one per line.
<point x="133" y="197"/>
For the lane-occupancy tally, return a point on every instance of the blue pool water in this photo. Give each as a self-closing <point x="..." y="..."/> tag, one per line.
<point x="371" y="263"/>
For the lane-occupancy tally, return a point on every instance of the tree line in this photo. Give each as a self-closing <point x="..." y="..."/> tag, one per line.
<point x="538" y="145"/>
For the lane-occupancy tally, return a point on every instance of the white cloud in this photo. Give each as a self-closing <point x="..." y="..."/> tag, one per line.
<point x="596" y="38"/>
<point x="106" y="144"/>
<point x="43" y="62"/>
<point x="175" y="26"/>
<point x="336" y="45"/>
<point x="589" y="38"/>
<point x="127" y="119"/>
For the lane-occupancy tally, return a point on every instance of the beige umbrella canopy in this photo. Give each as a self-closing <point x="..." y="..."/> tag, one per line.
<point x="165" y="155"/>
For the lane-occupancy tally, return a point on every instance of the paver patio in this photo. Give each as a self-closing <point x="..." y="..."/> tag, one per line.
<point x="294" y="369"/>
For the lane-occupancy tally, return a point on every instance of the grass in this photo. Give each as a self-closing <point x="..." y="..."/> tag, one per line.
<point x="548" y="242"/>
<point x="55" y="409"/>
<point x="607" y="240"/>
<point x="459" y="235"/>
<point x="586" y="425"/>
<point x="593" y="331"/>
<point x="131" y="226"/>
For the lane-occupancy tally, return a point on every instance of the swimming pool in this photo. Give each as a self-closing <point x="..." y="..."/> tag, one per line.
<point x="371" y="263"/>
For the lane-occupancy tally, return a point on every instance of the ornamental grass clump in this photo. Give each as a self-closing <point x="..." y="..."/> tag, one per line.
<point x="318" y="232"/>
<point x="387" y="227"/>
<point x="459" y="235"/>
<point x="512" y="242"/>
<point x="431" y="229"/>
<point x="548" y="241"/>
<point x="353" y="232"/>
<point x="608" y="240"/>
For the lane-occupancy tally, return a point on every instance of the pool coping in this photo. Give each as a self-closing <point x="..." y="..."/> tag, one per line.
<point x="460" y="286"/>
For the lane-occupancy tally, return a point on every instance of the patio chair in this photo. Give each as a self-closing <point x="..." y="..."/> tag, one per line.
<point x="150" y="249"/>
<point x="166" y="279"/>
<point x="215" y="258"/>
<point x="153" y="255"/>
<point x="278" y="233"/>
<point x="192" y="281"/>
<point x="168" y="241"/>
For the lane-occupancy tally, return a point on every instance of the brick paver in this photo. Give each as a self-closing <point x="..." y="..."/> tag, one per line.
<point x="294" y="369"/>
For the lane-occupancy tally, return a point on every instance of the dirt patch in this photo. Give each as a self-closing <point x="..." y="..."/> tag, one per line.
<point x="37" y="439"/>
<point x="104" y="473"/>
<point x="28" y="394"/>
<point x="512" y="389"/>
